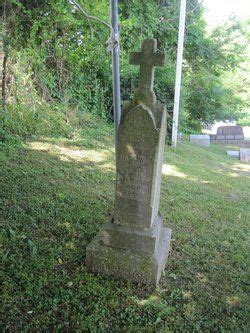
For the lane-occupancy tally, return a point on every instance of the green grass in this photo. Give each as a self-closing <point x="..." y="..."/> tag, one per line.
<point x="55" y="196"/>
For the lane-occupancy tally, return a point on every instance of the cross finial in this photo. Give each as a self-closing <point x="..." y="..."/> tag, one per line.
<point x="148" y="58"/>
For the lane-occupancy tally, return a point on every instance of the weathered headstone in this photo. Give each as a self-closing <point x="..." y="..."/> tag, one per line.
<point x="245" y="155"/>
<point x="135" y="245"/>
<point x="200" y="139"/>
<point x="228" y="134"/>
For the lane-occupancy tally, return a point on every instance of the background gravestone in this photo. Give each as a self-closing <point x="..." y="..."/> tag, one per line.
<point x="245" y="155"/>
<point x="230" y="133"/>
<point x="200" y="139"/>
<point x="135" y="245"/>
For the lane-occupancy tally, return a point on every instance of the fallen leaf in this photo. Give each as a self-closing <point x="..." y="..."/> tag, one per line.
<point x="60" y="261"/>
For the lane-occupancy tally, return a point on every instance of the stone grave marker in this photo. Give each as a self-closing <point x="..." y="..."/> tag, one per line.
<point x="200" y="139"/>
<point x="135" y="245"/>
<point x="233" y="153"/>
<point x="228" y="133"/>
<point x="245" y="155"/>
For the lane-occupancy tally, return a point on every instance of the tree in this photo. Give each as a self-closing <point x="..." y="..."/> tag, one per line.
<point x="59" y="56"/>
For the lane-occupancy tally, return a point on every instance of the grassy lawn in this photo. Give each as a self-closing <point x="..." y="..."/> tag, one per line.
<point x="55" y="196"/>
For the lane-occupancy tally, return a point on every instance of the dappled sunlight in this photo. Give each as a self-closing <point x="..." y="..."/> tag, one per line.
<point x="201" y="277"/>
<point x="233" y="300"/>
<point x="131" y="151"/>
<point x="71" y="153"/>
<point x="241" y="168"/>
<point x="233" y="174"/>
<point x="206" y="182"/>
<point x="43" y="146"/>
<point x="151" y="299"/>
<point x="187" y="295"/>
<point x="81" y="154"/>
<point x="172" y="170"/>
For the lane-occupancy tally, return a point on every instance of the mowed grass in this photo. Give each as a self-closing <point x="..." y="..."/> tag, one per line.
<point x="55" y="196"/>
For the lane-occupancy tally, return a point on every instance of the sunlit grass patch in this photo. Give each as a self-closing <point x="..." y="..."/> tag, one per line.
<point x="73" y="153"/>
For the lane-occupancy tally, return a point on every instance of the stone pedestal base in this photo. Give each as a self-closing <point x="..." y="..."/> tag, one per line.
<point x="129" y="264"/>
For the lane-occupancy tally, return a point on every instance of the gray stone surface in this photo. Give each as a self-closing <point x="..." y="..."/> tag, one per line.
<point x="235" y="143"/>
<point x="231" y="131"/>
<point x="147" y="59"/>
<point x="245" y="155"/>
<point x="131" y="238"/>
<point x="135" y="245"/>
<point x="136" y="266"/>
<point x="229" y="135"/>
<point x="200" y="139"/>
<point x="140" y="152"/>
<point x="220" y="137"/>
<point x="233" y="153"/>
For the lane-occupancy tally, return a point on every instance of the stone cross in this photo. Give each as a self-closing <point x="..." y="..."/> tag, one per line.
<point x="134" y="245"/>
<point x="147" y="59"/>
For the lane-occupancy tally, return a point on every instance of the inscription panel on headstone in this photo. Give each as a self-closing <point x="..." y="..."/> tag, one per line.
<point x="138" y="139"/>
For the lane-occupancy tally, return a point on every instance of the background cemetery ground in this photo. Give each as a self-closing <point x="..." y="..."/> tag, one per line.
<point x="56" y="194"/>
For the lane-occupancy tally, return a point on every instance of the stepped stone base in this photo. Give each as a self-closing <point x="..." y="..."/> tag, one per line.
<point x="127" y="264"/>
<point x="237" y="143"/>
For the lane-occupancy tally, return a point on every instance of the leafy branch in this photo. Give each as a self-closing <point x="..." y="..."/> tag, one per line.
<point x="90" y="17"/>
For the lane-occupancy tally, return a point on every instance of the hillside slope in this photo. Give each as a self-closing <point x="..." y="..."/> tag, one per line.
<point x="55" y="196"/>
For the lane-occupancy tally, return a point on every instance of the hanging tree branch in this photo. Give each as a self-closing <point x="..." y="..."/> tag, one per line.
<point x="113" y="39"/>
<point x="90" y="17"/>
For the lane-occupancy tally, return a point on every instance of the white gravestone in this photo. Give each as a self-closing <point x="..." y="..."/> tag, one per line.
<point x="245" y="155"/>
<point x="233" y="153"/>
<point x="200" y="139"/>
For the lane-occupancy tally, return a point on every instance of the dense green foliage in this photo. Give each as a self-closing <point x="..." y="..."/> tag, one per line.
<point x="59" y="67"/>
<point x="56" y="195"/>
